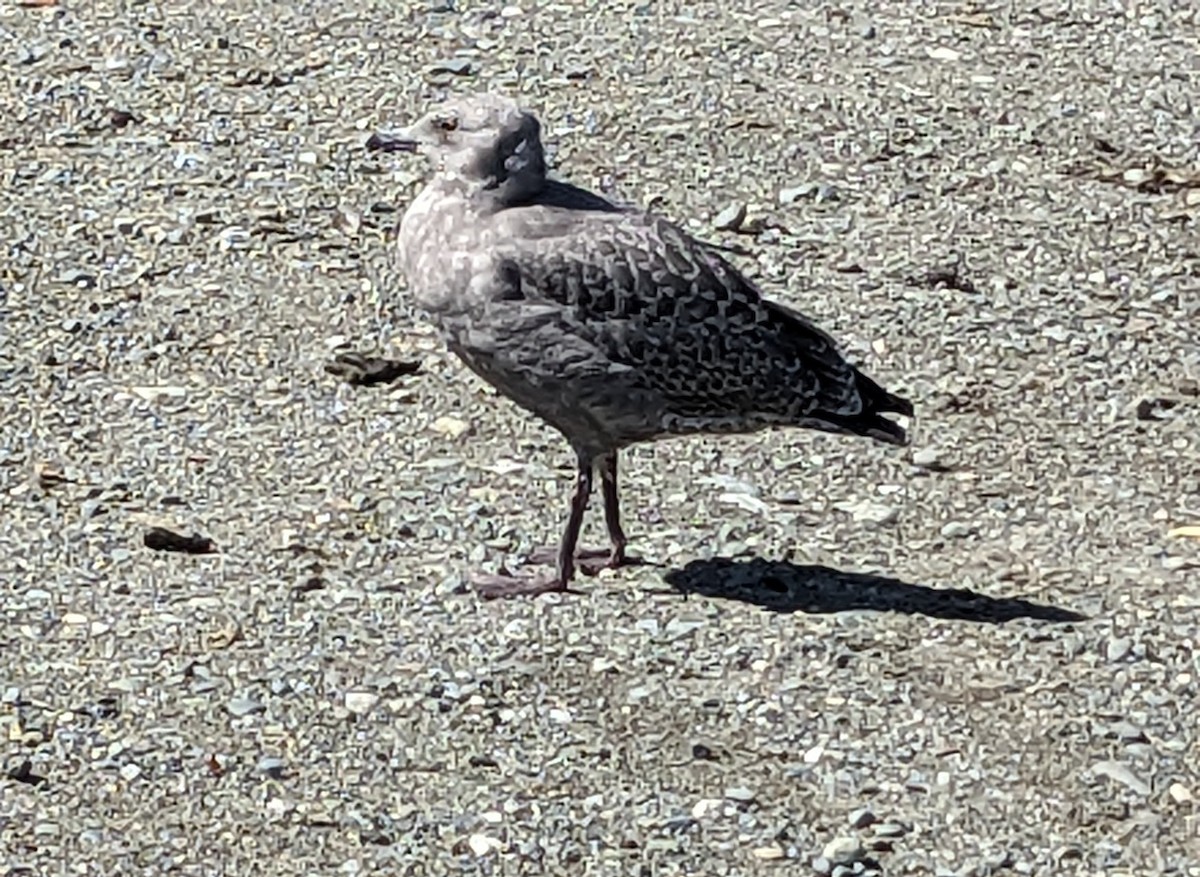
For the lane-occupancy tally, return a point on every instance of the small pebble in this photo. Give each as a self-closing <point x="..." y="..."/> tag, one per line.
<point x="243" y="706"/>
<point x="740" y="794"/>
<point x="701" y="752"/>
<point x="360" y="702"/>
<point x="956" y="530"/>
<point x="861" y="818"/>
<point x="455" y="66"/>
<point x="451" y="427"/>
<point x="1121" y="773"/>
<point x="889" y="829"/>
<point x="828" y="192"/>
<point x="731" y="218"/>
<point x="927" y="458"/>
<point x="481" y="845"/>
<point x="792" y="194"/>
<point x="1180" y="793"/>
<point x="1118" y="648"/>
<point x="271" y="766"/>
<point x="843" y="850"/>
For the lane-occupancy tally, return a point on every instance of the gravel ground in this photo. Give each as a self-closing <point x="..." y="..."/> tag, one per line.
<point x="977" y="656"/>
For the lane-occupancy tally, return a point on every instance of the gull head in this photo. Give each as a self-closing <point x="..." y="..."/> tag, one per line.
<point x="487" y="141"/>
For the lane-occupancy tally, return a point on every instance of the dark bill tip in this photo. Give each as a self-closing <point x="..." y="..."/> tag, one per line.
<point x="379" y="142"/>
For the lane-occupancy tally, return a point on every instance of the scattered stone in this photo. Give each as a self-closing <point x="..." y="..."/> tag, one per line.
<point x="828" y="192"/>
<point x="1155" y="408"/>
<point x="731" y="218"/>
<point x="929" y="458"/>
<point x="740" y="795"/>
<point x="1180" y="793"/>
<point x="701" y="752"/>
<point x="454" y="66"/>
<point x="243" y="706"/>
<point x="889" y="829"/>
<point x="1121" y="773"/>
<point x="271" y="766"/>
<point x="1118" y="648"/>
<point x="482" y="845"/>
<point x="945" y="276"/>
<point x="360" y="702"/>
<point x="862" y="818"/>
<point x="956" y="530"/>
<point x="1127" y="732"/>
<point x="451" y="427"/>
<point x="792" y="194"/>
<point x="868" y="511"/>
<point x="24" y="773"/>
<point x="162" y="539"/>
<point x="943" y="53"/>
<point x="347" y="221"/>
<point x="843" y="850"/>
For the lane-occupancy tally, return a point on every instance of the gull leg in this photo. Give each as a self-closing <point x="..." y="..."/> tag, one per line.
<point x="491" y="587"/>
<point x="592" y="560"/>
<point x="612" y="510"/>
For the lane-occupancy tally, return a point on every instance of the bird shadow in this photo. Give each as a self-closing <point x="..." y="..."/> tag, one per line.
<point x="781" y="586"/>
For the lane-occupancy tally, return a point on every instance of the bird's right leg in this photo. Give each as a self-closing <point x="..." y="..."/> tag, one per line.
<point x="612" y="510"/>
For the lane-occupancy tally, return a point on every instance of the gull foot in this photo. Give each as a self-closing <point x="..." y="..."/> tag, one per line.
<point x="588" y="561"/>
<point x="494" y="586"/>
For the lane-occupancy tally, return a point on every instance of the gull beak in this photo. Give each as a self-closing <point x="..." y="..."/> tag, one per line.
<point x="392" y="141"/>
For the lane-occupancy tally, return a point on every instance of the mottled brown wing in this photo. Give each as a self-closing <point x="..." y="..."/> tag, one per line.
<point x="651" y="298"/>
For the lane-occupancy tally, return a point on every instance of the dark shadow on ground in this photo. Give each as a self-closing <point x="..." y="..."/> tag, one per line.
<point x="787" y="587"/>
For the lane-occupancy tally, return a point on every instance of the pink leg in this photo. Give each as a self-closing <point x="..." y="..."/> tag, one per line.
<point x="592" y="560"/>
<point x="492" y="587"/>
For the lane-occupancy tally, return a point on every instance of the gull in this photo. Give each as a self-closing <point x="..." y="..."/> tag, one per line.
<point x="611" y="324"/>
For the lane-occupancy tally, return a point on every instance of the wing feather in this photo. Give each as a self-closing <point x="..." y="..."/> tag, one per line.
<point x="673" y="311"/>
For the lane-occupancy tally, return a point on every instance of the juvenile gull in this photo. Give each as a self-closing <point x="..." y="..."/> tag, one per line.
<point x="613" y="325"/>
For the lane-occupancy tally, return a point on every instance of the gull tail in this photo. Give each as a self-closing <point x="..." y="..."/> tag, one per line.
<point x="870" y="421"/>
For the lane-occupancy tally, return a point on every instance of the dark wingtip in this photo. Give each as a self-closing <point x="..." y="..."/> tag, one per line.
<point x="900" y="405"/>
<point x="876" y="402"/>
<point x="884" y="430"/>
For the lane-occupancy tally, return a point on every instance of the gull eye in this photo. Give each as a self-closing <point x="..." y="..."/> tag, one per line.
<point x="448" y="123"/>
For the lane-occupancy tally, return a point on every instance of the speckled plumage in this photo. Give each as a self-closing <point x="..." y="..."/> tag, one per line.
<point x="613" y="325"/>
